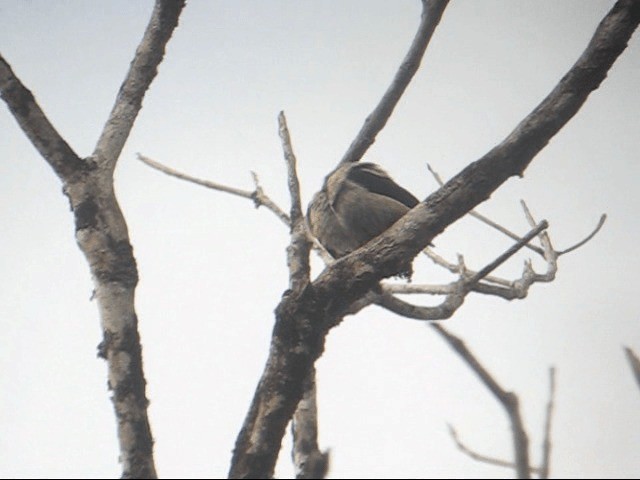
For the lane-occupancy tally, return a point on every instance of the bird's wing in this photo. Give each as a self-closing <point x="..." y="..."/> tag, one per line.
<point x="376" y="180"/>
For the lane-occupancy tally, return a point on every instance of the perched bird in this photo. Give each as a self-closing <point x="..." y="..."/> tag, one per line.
<point x="357" y="202"/>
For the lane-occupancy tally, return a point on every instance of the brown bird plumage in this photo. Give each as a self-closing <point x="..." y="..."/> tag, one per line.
<point x="357" y="202"/>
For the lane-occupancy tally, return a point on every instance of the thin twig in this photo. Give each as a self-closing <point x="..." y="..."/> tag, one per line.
<point x="510" y="234"/>
<point x="257" y="195"/>
<point x="432" y="11"/>
<point x="142" y="71"/>
<point x="299" y="247"/>
<point x="35" y="124"/>
<point x="546" y="444"/>
<point x="634" y="362"/>
<point x="510" y="252"/>
<point x="292" y="176"/>
<point x="603" y="218"/>
<point x="456" y="291"/>
<point x="485" y="219"/>
<point x="508" y="400"/>
<point x="478" y="456"/>
<point x="309" y="461"/>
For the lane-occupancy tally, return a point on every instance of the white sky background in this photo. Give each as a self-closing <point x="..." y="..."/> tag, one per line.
<point x="213" y="268"/>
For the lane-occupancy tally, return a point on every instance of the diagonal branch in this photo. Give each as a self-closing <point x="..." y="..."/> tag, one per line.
<point x="35" y="124"/>
<point x="546" y="443"/>
<point x="308" y="460"/>
<point x="476" y="182"/>
<point x="455" y="292"/>
<point x="485" y="219"/>
<point x="537" y="229"/>
<point x="142" y="71"/>
<point x="257" y="195"/>
<point x="480" y="457"/>
<point x="634" y="362"/>
<point x="603" y="218"/>
<point x="303" y="320"/>
<point x="432" y="11"/>
<point x="508" y="400"/>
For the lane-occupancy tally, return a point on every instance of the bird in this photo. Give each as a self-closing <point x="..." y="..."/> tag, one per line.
<point x="357" y="202"/>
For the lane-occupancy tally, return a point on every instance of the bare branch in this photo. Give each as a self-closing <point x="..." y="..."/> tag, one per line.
<point x="511" y="157"/>
<point x="432" y="11"/>
<point x="454" y="268"/>
<point x="292" y="176"/>
<point x="484" y="219"/>
<point x="546" y="444"/>
<point x="205" y="183"/>
<point x="550" y="255"/>
<point x="634" y="362"/>
<point x="36" y="126"/>
<point x="510" y="252"/>
<point x="257" y="195"/>
<point x="443" y="311"/>
<point x="456" y="291"/>
<point x="479" y="457"/>
<point x="589" y="237"/>
<point x="309" y="461"/>
<point x="142" y="71"/>
<point x="512" y="235"/>
<point x="303" y="320"/>
<point x="508" y="400"/>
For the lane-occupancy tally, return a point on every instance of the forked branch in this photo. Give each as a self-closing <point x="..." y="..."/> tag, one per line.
<point x="101" y="229"/>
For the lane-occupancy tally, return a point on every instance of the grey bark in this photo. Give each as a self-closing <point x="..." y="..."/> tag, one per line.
<point x="304" y="317"/>
<point x="101" y="229"/>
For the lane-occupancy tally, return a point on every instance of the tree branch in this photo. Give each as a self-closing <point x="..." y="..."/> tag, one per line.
<point x="512" y="235"/>
<point x="258" y="196"/>
<point x="432" y="11"/>
<point x="309" y="461"/>
<point x="603" y="218"/>
<point x="101" y="231"/>
<point x="36" y="126"/>
<point x="484" y="219"/>
<point x="303" y="320"/>
<point x="478" y="456"/>
<point x="634" y="362"/>
<point x="546" y="444"/>
<point x="507" y="399"/>
<point x="142" y="71"/>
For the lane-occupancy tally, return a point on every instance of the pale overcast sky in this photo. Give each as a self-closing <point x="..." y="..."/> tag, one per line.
<point x="213" y="268"/>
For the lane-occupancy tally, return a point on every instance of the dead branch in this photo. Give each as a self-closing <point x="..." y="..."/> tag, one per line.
<point x="306" y="319"/>
<point x="546" y="443"/>
<point x="603" y="218"/>
<point x="298" y="251"/>
<point x="101" y="230"/>
<point x="512" y="235"/>
<point x="634" y="362"/>
<point x="480" y="457"/>
<point x="508" y="400"/>
<point x="432" y="11"/>
<point x="483" y="218"/>
<point x="308" y="460"/>
<point x="455" y="291"/>
<point x="257" y="195"/>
